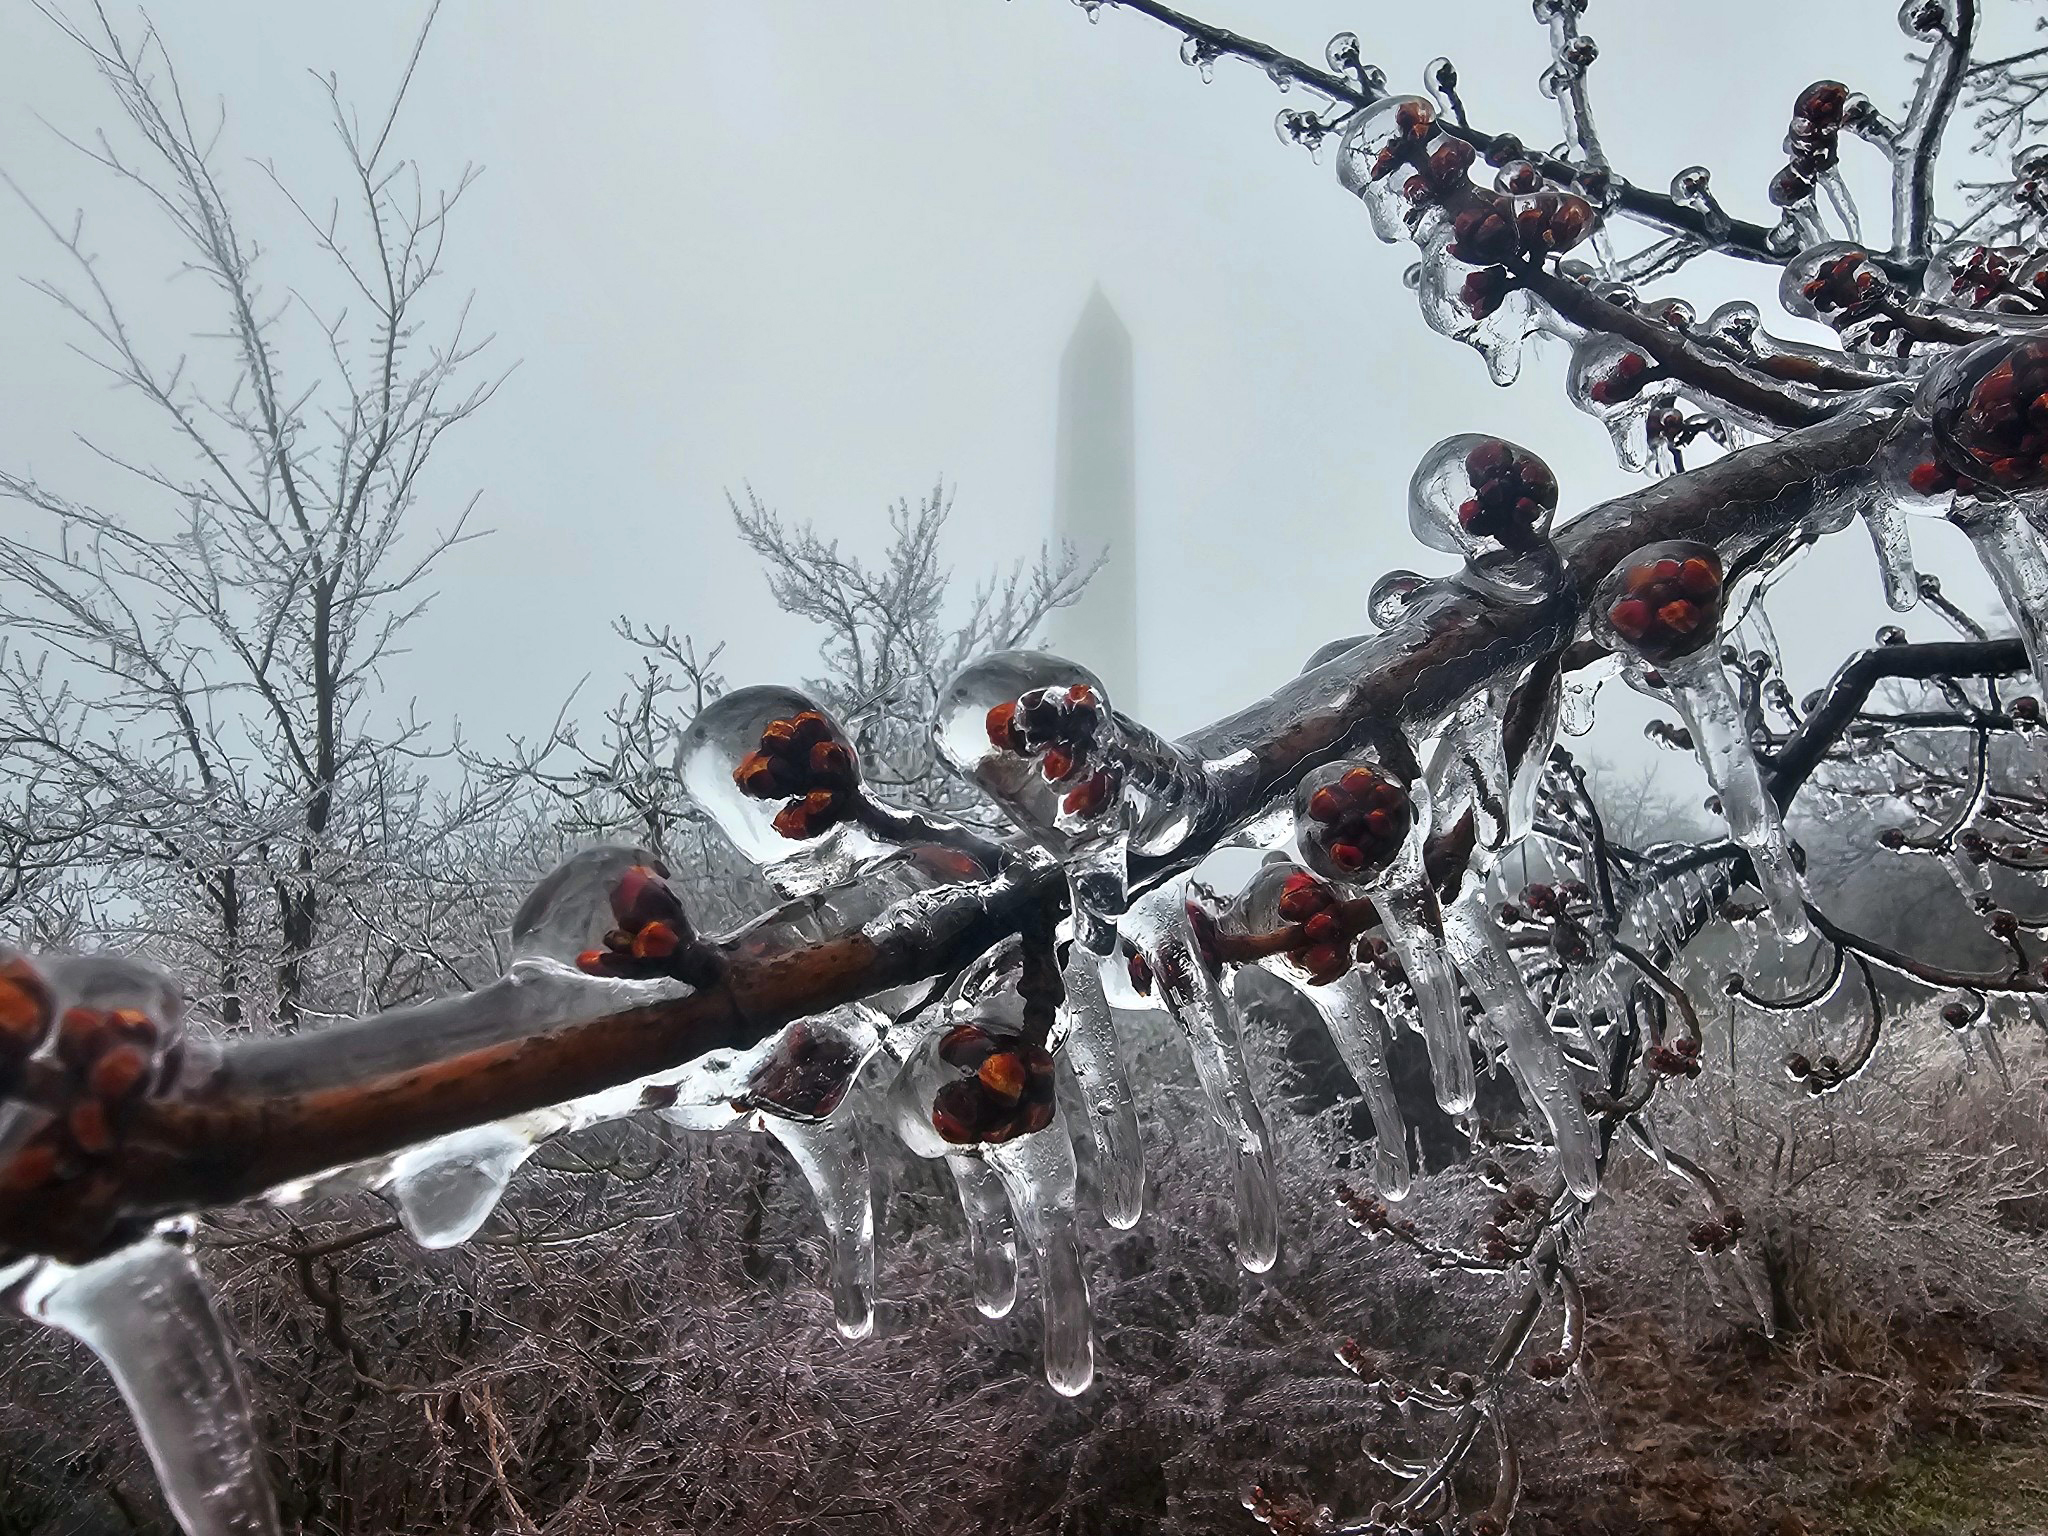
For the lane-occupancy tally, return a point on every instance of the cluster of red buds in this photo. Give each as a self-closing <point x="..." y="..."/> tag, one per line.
<point x="1850" y="294"/>
<point x="1513" y="1225"/>
<point x="1625" y="378"/>
<point x="1061" y="727"/>
<point x="1362" y="819"/>
<point x="1282" y="1515"/>
<point x="111" y="1058"/>
<point x="1669" y="607"/>
<point x="653" y="936"/>
<point x="26" y="1012"/>
<point x="807" y="1075"/>
<point x="1005" y="1088"/>
<point x="1327" y="950"/>
<point x="1999" y="431"/>
<point x="1488" y="229"/>
<point x="1513" y="491"/>
<point x="1812" y="142"/>
<point x="1681" y="1058"/>
<point x="1986" y="276"/>
<point x="1818" y="1073"/>
<point x="1716" y="1233"/>
<point x="800" y="760"/>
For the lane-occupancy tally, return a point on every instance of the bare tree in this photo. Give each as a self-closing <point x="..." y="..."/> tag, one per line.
<point x="193" y="681"/>
<point x="922" y="980"/>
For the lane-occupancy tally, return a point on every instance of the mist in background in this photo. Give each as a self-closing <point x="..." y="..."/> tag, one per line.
<point x="835" y="253"/>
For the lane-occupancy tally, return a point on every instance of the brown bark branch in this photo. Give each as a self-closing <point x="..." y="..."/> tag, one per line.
<point x="283" y="1109"/>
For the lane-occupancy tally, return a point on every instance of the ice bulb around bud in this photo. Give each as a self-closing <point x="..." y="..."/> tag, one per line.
<point x="1660" y="609"/>
<point x="1038" y="735"/>
<point x="1284" y="901"/>
<point x="1492" y="502"/>
<point x="146" y="1312"/>
<point x="1363" y="826"/>
<point x="783" y="782"/>
<point x="115" y="1029"/>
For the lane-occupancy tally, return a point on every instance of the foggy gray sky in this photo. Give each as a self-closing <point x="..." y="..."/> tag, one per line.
<point x="834" y="251"/>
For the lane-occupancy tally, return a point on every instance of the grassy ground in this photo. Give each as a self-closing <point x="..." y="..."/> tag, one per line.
<point x="1950" y="1488"/>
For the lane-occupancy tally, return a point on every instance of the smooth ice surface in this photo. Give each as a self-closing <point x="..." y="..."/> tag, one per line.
<point x="1351" y="1014"/>
<point x="1699" y="686"/>
<point x="991" y="1240"/>
<point x="1112" y="1111"/>
<point x="2010" y="549"/>
<point x="1533" y="1055"/>
<point x="1038" y="1172"/>
<point x="146" y="1313"/>
<point x="1194" y="995"/>
<point x="446" y="1188"/>
<point x="834" y="1164"/>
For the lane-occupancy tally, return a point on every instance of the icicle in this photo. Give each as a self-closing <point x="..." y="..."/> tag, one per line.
<point x="1351" y="1014"/>
<point x="446" y="1188"/>
<point x="1038" y="1172"/>
<point x="1163" y="927"/>
<point x="1894" y="546"/>
<point x="1469" y="769"/>
<point x="1090" y="1044"/>
<point x="2010" y="549"/>
<point x="992" y="1242"/>
<point x="1581" y="692"/>
<point x="1363" y="827"/>
<point x="835" y="1165"/>
<point x="1661" y="608"/>
<point x="1038" y="735"/>
<point x="146" y="1313"/>
<point x="1744" y="1264"/>
<point x="1533" y="1055"/>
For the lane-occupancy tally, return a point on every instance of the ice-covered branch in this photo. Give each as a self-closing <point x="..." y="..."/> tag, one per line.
<point x="279" y="1110"/>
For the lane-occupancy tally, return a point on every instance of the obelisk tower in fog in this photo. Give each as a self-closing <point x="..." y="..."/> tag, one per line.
<point x="1095" y="499"/>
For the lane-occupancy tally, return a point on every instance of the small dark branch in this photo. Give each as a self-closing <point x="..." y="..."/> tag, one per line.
<point x="1680" y="357"/>
<point x="1846" y="694"/>
<point x="2019" y="978"/>
<point x="1041" y="986"/>
<point x="1934" y="102"/>
<point x="1737" y="237"/>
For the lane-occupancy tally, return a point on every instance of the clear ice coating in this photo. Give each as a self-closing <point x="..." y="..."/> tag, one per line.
<point x="783" y="782"/>
<point x="1037" y="734"/>
<point x="1492" y="502"/>
<point x="1617" y="382"/>
<point x="1661" y="610"/>
<point x="146" y="1313"/>
<point x="1174" y="936"/>
<point x="991" y="1240"/>
<point x="1362" y="826"/>
<point x="1039" y="1175"/>
<point x="1988" y="462"/>
<point x="1469" y="769"/>
<point x="1284" y="898"/>
<point x="834" y="1162"/>
<point x="445" y="1189"/>
<point x="1530" y="1046"/>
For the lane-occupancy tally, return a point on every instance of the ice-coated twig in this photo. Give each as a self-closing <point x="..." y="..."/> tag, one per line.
<point x="1949" y="27"/>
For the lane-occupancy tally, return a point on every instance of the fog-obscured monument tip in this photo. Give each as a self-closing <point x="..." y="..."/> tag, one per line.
<point x="1095" y="497"/>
